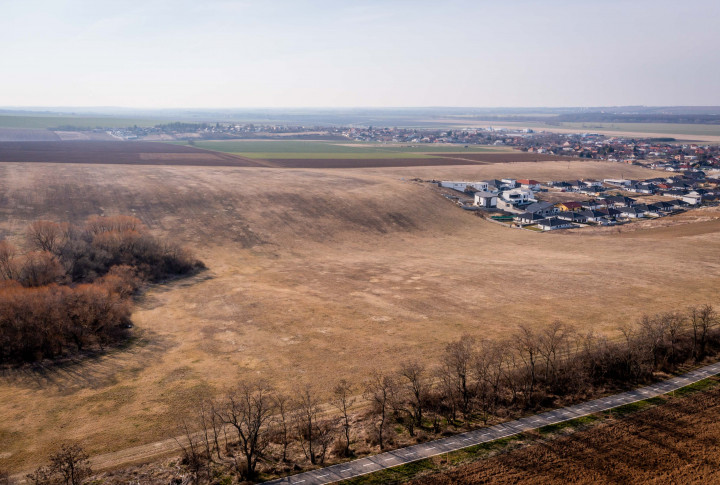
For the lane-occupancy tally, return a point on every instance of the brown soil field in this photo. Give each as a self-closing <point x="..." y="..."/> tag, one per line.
<point x="27" y="134"/>
<point x="677" y="442"/>
<point x="316" y="275"/>
<point x="515" y="156"/>
<point x="123" y="152"/>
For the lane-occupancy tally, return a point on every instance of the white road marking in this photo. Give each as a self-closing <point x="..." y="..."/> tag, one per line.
<point x="369" y="464"/>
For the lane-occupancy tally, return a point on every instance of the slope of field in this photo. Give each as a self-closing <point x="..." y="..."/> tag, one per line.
<point x="122" y="152"/>
<point x="316" y="275"/>
<point x="678" y="442"/>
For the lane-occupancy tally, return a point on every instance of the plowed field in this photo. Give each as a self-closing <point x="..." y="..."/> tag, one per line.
<point x="678" y="442"/>
<point x="118" y="152"/>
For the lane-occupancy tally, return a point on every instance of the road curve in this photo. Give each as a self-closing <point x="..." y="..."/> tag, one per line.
<point x="401" y="456"/>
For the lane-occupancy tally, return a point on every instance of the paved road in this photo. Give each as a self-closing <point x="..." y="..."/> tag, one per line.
<point x="402" y="456"/>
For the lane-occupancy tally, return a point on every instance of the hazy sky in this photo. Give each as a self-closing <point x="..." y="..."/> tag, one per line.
<point x="225" y="53"/>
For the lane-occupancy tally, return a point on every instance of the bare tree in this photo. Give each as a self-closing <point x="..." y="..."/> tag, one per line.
<point x="284" y="410"/>
<point x="249" y="410"/>
<point x="8" y="267"/>
<point x="192" y="445"/>
<point x="457" y="361"/>
<point x="552" y="345"/>
<point x="68" y="466"/>
<point x="418" y="384"/>
<point x="343" y="401"/>
<point x="526" y="343"/>
<point x="46" y="236"/>
<point x="489" y="370"/>
<point x="306" y="417"/>
<point x="377" y="391"/>
<point x="702" y="319"/>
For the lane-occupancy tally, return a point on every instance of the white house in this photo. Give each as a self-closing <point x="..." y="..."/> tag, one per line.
<point x="485" y="199"/>
<point x="552" y="223"/>
<point x="531" y="184"/>
<point x="693" y="198"/>
<point x="518" y="196"/>
<point x="461" y="186"/>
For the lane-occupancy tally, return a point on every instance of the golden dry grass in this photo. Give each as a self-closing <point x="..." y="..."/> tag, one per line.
<point x="314" y="275"/>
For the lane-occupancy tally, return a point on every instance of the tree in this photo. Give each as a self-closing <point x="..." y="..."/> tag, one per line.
<point x="343" y="401"/>
<point x="418" y="386"/>
<point x="702" y="319"/>
<point x="192" y="445"/>
<point x="46" y="236"/>
<point x="283" y="405"/>
<point x="8" y="268"/>
<point x="457" y="362"/>
<point x="527" y="345"/>
<point x="377" y="391"/>
<point x="249" y="410"/>
<point x="308" y="408"/>
<point x="68" y="466"/>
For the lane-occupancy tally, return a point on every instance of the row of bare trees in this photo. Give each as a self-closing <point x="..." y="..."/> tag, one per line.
<point x="474" y="382"/>
<point x="71" y="290"/>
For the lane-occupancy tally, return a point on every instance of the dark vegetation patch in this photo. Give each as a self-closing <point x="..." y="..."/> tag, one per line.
<point x="118" y="152"/>
<point x="71" y="291"/>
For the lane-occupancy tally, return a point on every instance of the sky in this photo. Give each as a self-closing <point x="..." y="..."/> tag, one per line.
<point x="342" y="53"/>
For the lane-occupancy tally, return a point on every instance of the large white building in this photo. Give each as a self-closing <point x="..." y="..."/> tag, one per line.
<point x="518" y="196"/>
<point x="461" y="186"/>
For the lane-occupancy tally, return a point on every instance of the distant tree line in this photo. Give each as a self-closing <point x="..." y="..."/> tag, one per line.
<point x="475" y="382"/>
<point x="70" y="291"/>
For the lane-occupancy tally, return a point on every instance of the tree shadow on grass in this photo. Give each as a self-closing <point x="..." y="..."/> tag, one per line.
<point x="90" y="370"/>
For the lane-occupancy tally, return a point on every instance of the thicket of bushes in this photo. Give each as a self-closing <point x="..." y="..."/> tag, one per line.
<point x="71" y="290"/>
<point x="475" y="382"/>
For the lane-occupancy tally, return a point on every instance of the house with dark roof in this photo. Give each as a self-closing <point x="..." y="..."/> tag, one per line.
<point x="620" y="201"/>
<point x="591" y="215"/>
<point x="528" y="218"/>
<point x="552" y="223"/>
<point x="542" y="208"/>
<point x="631" y="212"/>
<point x="571" y="216"/>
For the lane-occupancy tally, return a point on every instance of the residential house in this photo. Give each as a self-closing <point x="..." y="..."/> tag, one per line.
<point x="552" y="223"/>
<point x="517" y="197"/>
<point x="571" y="216"/>
<point x="528" y="218"/>
<point x="543" y="208"/>
<point x="462" y="186"/>
<point x="531" y="184"/>
<point x="594" y="215"/>
<point x="485" y="199"/>
<point x="569" y="206"/>
<point x="620" y="201"/>
<point x="631" y="212"/>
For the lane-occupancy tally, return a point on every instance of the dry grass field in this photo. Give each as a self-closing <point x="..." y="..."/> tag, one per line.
<point x="314" y="275"/>
<point x="673" y="443"/>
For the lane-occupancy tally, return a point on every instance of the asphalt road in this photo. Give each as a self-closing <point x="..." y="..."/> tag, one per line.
<point x="413" y="453"/>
